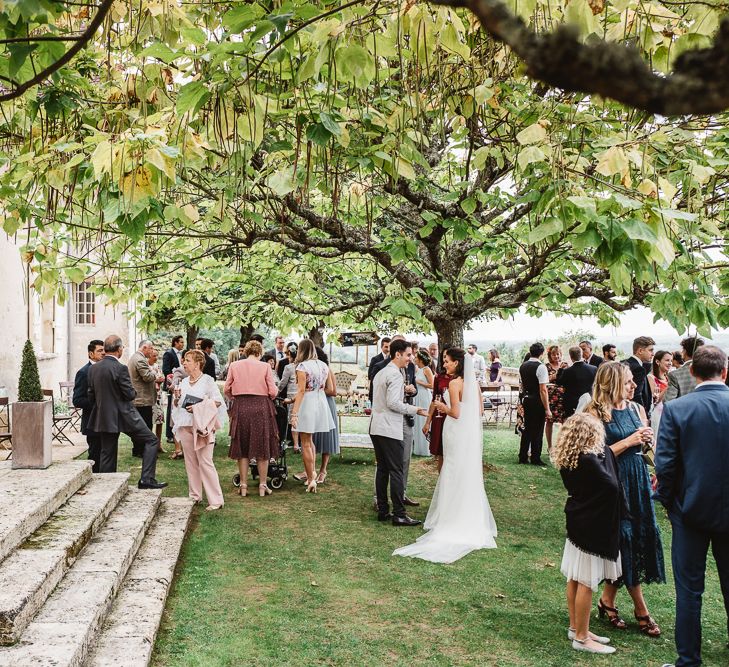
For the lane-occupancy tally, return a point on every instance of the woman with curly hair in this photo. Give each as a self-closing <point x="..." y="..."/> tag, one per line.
<point x="641" y="551"/>
<point x="593" y="510"/>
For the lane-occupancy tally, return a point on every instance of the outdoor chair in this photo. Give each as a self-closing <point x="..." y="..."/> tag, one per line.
<point x="60" y="421"/>
<point x="6" y="432"/>
<point x="66" y="394"/>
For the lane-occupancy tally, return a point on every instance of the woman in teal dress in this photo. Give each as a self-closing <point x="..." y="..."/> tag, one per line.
<point x="641" y="551"/>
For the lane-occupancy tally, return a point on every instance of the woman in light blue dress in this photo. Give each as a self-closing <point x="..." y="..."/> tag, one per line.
<point x="424" y="380"/>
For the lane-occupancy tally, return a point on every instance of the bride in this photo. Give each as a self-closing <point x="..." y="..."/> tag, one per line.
<point x="459" y="519"/>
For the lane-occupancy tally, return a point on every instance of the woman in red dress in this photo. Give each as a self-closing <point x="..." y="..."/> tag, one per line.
<point x="435" y="420"/>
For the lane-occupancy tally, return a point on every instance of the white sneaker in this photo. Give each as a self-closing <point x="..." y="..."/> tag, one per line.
<point x="596" y="648"/>
<point x="595" y="638"/>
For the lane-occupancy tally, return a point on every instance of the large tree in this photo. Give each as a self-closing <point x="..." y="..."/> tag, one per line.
<point x="394" y="157"/>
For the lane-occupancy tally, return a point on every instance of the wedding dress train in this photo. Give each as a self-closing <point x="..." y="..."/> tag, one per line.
<point x="459" y="519"/>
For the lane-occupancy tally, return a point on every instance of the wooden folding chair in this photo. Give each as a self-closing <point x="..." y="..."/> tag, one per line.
<point x="6" y="431"/>
<point x="66" y="394"/>
<point x="60" y="422"/>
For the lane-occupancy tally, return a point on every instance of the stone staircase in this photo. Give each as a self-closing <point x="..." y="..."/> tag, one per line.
<point x="86" y="562"/>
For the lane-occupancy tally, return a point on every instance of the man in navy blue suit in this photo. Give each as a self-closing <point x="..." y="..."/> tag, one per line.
<point x="81" y="400"/>
<point x="692" y="466"/>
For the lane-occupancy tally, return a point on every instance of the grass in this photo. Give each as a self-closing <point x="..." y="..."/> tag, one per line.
<point x="297" y="579"/>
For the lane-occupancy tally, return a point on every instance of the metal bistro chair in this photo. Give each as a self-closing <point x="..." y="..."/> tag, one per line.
<point x="66" y="394"/>
<point x="60" y="422"/>
<point x="6" y="435"/>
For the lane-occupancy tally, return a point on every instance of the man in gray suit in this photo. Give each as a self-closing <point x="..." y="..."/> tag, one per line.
<point x="110" y="395"/>
<point x="681" y="381"/>
<point x="144" y="380"/>
<point x="387" y="431"/>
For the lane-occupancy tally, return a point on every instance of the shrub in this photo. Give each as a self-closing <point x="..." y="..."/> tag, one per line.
<point x="29" y="385"/>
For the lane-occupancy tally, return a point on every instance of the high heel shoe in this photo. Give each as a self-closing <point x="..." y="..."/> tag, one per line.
<point x="311" y="487"/>
<point x="263" y="490"/>
<point x="613" y="616"/>
<point x="243" y="490"/>
<point x="321" y="478"/>
<point x="648" y="626"/>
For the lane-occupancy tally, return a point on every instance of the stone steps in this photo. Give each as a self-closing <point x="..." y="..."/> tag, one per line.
<point x="29" y="497"/>
<point x="32" y="571"/>
<point x="67" y="625"/>
<point x="127" y="638"/>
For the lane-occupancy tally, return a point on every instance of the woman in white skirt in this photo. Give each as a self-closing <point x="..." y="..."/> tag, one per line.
<point x="594" y="506"/>
<point x="310" y="413"/>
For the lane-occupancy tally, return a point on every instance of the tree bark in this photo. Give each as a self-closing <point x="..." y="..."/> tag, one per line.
<point x="246" y="331"/>
<point x="191" y="336"/>
<point x="449" y="332"/>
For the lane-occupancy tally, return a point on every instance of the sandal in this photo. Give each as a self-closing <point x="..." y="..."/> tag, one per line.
<point x="263" y="490"/>
<point x="177" y="455"/>
<point x="300" y="477"/>
<point x="613" y="616"/>
<point x="212" y="508"/>
<point x="321" y="478"/>
<point x="243" y="490"/>
<point x="648" y="626"/>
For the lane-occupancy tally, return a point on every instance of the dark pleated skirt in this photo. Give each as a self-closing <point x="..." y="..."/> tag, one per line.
<point x="328" y="443"/>
<point x="253" y="430"/>
<point x="436" y="436"/>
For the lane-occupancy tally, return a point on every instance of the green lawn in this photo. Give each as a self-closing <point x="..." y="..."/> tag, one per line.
<point x="296" y="579"/>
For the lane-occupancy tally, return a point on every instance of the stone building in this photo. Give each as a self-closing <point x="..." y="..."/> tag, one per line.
<point x="59" y="333"/>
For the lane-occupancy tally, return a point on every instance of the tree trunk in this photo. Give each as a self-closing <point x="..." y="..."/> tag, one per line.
<point x="191" y="336"/>
<point x="246" y="331"/>
<point x="449" y="332"/>
<point x="317" y="336"/>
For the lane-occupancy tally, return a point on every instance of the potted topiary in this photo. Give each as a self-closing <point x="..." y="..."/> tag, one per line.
<point x="32" y="417"/>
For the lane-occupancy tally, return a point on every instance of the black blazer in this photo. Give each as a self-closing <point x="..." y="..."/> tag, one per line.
<point x="80" y="396"/>
<point x="374" y="362"/>
<point x="576" y="380"/>
<point x="692" y="458"/>
<point x="170" y="361"/>
<point x="595" y="361"/>
<point x="643" y="394"/>
<point x="110" y="394"/>
<point x="209" y="367"/>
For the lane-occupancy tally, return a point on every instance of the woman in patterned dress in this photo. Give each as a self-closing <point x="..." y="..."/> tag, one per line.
<point x="554" y="391"/>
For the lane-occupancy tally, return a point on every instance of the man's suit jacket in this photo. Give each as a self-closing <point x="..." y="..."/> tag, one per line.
<point x="374" y="362"/>
<point x="576" y="380"/>
<point x="680" y="383"/>
<point x="143" y="380"/>
<point x="692" y="458"/>
<point x="410" y="371"/>
<point x="388" y="407"/>
<point x="643" y="394"/>
<point x="170" y="361"/>
<point x="595" y="361"/>
<point x="209" y="367"/>
<point x="80" y="395"/>
<point x="110" y="395"/>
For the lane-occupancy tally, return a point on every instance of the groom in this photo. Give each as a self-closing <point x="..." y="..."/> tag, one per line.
<point x="387" y="431"/>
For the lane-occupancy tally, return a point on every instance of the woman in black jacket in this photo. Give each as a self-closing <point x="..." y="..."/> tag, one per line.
<point x="593" y="510"/>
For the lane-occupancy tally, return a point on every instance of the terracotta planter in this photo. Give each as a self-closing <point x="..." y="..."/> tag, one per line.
<point x="32" y="423"/>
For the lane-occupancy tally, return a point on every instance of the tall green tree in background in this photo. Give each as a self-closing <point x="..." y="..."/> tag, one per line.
<point x="363" y="162"/>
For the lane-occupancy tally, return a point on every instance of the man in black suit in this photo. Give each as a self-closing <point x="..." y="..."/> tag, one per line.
<point x="377" y="360"/>
<point x="81" y="400"/>
<point x="170" y="360"/>
<point x="206" y="345"/>
<point x="640" y="365"/>
<point x="110" y="394"/>
<point x="692" y="467"/>
<point x="577" y="380"/>
<point x="588" y="356"/>
<point x="278" y="351"/>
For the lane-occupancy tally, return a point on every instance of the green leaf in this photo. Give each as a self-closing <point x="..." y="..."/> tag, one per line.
<point x="469" y="205"/>
<point x="281" y="182"/>
<point x="330" y="124"/>
<point x="549" y="227"/>
<point x="356" y="63"/>
<point x="191" y="97"/>
<point x="638" y="231"/>
<point x="241" y="17"/>
<point x="529" y="155"/>
<point x="160" y="52"/>
<point x="318" y="134"/>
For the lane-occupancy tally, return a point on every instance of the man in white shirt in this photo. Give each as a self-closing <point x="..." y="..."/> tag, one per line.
<point x="535" y="401"/>
<point x="479" y="364"/>
<point x="278" y="349"/>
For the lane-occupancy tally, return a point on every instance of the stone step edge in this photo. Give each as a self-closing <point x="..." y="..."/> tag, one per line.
<point x="43" y="508"/>
<point x="129" y="633"/>
<point x="29" y="574"/>
<point x="66" y="627"/>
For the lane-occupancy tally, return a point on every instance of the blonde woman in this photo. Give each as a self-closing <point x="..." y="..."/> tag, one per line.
<point x="310" y="413"/>
<point x="641" y="551"/>
<point x="201" y="472"/>
<point x="253" y="430"/>
<point x="593" y="510"/>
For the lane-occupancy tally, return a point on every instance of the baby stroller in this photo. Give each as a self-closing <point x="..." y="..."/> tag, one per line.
<point x="278" y="471"/>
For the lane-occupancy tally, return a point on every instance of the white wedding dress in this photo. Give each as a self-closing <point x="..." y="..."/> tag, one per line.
<point x="459" y="519"/>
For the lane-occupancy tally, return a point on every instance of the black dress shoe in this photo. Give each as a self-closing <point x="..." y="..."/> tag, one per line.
<point x="539" y="463"/>
<point x="384" y="516"/>
<point x="170" y="440"/>
<point x="522" y="462"/>
<point x="151" y="484"/>
<point x="411" y="503"/>
<point x="405" y="521"/>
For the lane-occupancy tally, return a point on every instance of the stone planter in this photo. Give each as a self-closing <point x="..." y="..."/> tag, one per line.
<point x="32" y="424"/>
